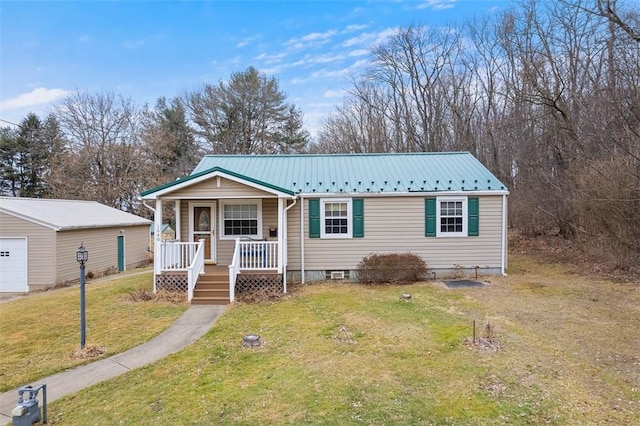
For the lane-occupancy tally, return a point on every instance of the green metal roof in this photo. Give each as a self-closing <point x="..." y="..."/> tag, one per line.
<point x="353" y="173"/>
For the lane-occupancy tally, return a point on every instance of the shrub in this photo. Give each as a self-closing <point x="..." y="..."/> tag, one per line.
<point x="398" y="268"/>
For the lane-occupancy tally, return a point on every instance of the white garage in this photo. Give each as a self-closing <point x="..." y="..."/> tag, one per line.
<point x="13" y="265"/>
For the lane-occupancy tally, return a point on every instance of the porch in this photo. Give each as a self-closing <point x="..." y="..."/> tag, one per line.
<point x="254" y="266"/>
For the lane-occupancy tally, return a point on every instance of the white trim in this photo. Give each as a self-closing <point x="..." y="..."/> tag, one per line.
<point x="224" y="202"/>
<point x="178" y="221"/>
<point x="285" y="243"/>
<point x="349" y="233"/>
<point x="157" y="224"/>
<point x="465" y="217"/>
<point x="207" y="176"/>
<point x="503" y="260"/>
<point x="302" y="237"/>
<point x="400" y="194"/>
<point x="212" y="205"/>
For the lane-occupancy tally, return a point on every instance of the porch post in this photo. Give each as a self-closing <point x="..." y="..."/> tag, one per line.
<point x="157" y="224"/>
<point x="177" y="220"/>
<point x="281" y="231"/>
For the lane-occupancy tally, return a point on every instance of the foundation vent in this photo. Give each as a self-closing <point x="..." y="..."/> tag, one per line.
<point x="337" y="275"/>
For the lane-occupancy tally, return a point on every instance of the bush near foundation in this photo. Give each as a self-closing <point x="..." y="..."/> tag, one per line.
<point x="396" y="268"/>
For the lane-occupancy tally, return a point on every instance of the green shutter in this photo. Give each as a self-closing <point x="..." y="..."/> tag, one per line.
<point x="358" y="218"/>
<point x="314" y="218"/>
<point x="430" y="217"/>
<point x="473" y="223"/>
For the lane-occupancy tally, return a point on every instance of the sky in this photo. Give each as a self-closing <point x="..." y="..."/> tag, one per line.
<point x="144" y="50"/>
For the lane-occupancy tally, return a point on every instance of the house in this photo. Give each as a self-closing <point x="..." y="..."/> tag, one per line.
<point x="39" y="239"/>
<point x="266" y="219"/>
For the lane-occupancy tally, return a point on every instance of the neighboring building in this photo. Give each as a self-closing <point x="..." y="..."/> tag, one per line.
<point x="309" y="217"/>
<point x="39" y="239"/>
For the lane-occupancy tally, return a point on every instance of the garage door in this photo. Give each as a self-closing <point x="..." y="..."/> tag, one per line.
<point x="13" y="265"/>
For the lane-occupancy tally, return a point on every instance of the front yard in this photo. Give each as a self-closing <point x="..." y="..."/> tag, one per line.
<point x="40" y="334"/>
<point x="333" y="353"/>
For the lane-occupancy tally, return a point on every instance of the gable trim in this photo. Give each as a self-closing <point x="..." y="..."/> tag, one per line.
<point x="185" y="182"/>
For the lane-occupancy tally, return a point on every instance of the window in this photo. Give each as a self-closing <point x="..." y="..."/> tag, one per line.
<point x="241" y="218"/>
<point x="451" y="217"/>
<point x="336" y="218"/>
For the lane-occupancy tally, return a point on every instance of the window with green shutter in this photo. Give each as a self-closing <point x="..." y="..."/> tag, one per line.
<point x="451" y="216"/>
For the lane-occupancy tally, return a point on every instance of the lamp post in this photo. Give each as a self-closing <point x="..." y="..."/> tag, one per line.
<point x="82" y="255"/>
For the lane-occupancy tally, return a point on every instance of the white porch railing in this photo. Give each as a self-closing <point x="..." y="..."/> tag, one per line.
<point x="258" y="255"/>
<point x="195" y="269"/>
<point x="234" y="270"/>
<point x="176" y="255"/>
<point x="252" y="256"/>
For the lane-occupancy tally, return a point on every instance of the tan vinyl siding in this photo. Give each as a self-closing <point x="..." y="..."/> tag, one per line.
<point x="396" y="224"/>
<point x="102" y="244"/>
<point x="135" y="245"/>
<point x="209" y="189"/>
<point x="41" y="252"/>
<point x="224" y="247"/>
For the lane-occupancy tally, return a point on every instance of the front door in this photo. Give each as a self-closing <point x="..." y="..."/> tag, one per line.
<point x="203" y="227"/>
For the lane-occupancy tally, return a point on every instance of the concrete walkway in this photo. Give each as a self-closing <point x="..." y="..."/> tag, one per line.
<point x="191" y="325"/>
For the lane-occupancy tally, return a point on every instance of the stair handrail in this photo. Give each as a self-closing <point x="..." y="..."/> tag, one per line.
<point x="195" y="269"/>
<point x="234" y="269"/>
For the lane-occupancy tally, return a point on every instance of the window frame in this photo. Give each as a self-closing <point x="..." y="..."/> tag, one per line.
<point x="243" y="201"/>
<point x="323" y="233"/>
<point x="465" y="217"/>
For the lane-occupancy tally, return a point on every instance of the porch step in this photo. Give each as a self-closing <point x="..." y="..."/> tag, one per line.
<point x="212" y="287"/>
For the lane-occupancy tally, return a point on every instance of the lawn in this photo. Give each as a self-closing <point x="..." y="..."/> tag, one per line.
<point x="337" y="353"/>
<point x="40" y="334"/>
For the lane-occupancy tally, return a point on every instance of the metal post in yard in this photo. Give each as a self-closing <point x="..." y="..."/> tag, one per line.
<point x="82" y="255"/>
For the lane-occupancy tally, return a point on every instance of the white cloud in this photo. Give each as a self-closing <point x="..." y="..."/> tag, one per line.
<point x="369" y="39"/>
<point x="38" y="96"/>
<point x="359" y="52"/>
<point x="248" y="40"/>
<point x="438" y="4"/>
<point x="311" y="39"/>
<point x="334" y="93"/>
<point x="318" y="36"/>
<point x="270" y="59"/>
<point x="355" y="27"/>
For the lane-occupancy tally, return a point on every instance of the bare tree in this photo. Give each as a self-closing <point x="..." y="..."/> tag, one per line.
<point x="106" y="161"/>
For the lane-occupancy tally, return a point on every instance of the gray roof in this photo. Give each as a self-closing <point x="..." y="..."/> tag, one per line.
<point x="352" y="173"/>
<point x="68" y="214"/>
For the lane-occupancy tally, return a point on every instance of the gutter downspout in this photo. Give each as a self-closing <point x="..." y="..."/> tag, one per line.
<point x="503" y="261"/>
<point x="302" y="238"/>
<point x="286" y="227"/>
<point x="144" y="203"/>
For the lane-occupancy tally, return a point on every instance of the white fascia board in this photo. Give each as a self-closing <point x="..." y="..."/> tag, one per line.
<point x="399" y="194"/>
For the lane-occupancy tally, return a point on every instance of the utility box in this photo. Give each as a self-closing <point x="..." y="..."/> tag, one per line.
<point x="27" y="412"/>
